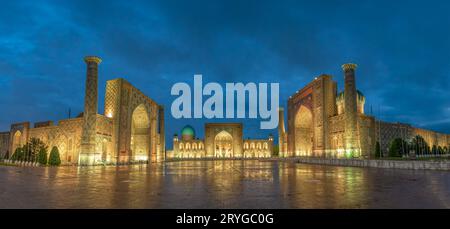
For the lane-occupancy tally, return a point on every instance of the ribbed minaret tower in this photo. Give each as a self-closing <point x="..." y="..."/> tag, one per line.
<point x="350" y="109"/>
<point x="162" y="134"/>
<point x="88" y="155"/>
<point x="282" y="140"/>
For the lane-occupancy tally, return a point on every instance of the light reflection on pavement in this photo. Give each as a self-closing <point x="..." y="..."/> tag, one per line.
<point x="222" y="184"/>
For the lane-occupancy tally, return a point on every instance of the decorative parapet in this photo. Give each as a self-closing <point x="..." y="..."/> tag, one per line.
<point x="349" y="66"/>
<point x="95" y="59"/>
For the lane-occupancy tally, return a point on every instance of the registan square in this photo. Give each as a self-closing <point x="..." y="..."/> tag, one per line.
<point x="224" y="105"/>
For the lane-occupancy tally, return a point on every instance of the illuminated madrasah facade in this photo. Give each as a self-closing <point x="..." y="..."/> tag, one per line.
<point x="324" y="123"/>
<point x="222" y="140"/>
<point x="321" y="123"/>
<point x="131" y="128"/>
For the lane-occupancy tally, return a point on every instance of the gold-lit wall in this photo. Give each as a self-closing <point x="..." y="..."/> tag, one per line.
<point x="259" y="148"/>
<point x="188" y="148"/>
<point x="386" y="132"/>
<point x="329" y="130"/>
<point x="231" y="146"/>
<point x="326" y="132"/>
<point x="127" y="106"/>
<point x="66" y="136"/>
<point x="4" y="144"/>
<point x="131" y="129"/>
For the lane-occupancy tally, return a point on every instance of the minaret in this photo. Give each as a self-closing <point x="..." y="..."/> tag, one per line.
<point x="162" y="134"/>
<point x="282" y="144"/>
<point x="350" y="109"/>
<point x="88" y="155"/>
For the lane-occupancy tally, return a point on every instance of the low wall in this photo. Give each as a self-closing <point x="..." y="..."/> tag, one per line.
<point x="387" y="164"/>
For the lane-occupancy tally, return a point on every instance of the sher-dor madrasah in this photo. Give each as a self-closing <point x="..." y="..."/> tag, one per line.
<point x="322" y="122"/>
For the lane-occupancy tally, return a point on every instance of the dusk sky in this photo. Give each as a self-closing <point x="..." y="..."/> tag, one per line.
<point x="402" y="49"/>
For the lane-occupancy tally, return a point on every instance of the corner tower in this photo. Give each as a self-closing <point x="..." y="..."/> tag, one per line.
<point x="350" y="107"/>
<point x="88" y="138"/>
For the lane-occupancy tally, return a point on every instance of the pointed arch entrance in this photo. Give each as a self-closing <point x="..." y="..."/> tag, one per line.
<point x="17" y="141"/>
<point x="223" y="144"/>
<point x="303" y="132"/>
<point x="140" y="134"/>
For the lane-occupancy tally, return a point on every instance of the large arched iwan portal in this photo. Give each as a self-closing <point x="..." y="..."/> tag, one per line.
<point x="138" y="123"/>
<point x="303" y="132"/>
<point x="223" y="144"/>
<point x="301" y="123"/>
<point x="140" y="134"/>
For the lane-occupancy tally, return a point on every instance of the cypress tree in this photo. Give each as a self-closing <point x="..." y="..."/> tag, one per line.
<point x="18" y="154"/>
<point x="395" y="147"/>
<point x="42" y="157"/>
<point x="377" y="150"/>
<point x="54" y="159"/>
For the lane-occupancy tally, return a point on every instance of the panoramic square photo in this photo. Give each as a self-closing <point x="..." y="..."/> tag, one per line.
<point x="224" y="112"/>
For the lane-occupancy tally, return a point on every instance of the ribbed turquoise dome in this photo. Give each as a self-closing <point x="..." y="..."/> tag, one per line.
<point x="188" y="131"/>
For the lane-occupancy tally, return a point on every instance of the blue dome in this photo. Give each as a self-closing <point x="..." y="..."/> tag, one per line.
<point x="188" y="131"/>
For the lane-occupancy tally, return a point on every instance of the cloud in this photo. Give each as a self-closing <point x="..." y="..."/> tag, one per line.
<point x="402" y="49"/>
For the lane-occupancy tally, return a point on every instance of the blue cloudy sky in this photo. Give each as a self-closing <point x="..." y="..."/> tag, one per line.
<point x="402" y="49"/>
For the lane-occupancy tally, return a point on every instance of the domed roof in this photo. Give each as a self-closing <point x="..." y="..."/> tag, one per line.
<point x="188" y="131"/>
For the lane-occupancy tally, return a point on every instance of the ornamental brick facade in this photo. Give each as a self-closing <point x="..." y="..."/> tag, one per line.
<point x="131" y="128"/>
<point x="324" y="123"/>
<point x="222" y="140"/>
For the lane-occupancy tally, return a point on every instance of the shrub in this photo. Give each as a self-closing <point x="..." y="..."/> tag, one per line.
<point x="398" y="147"/>
<point x="440" y="150"/>
<point x="428" y="150"/>
<point x="42" y="157"/>
<point x="419" y="144"/>
<point x="32" y="149"/>
<point x="54" y="159"/>
<point x="18" y="154"/>
<point x="377" y="150"/>
<point x="276" y="151"/>
<point x="434" y="150"/>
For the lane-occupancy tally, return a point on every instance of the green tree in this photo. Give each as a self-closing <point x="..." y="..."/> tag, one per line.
<point x="377" y="150"/>
<point x="395" y="148"/>
<point x="42" y="158"/>
<point x="54" y="159"/>
<point x="32" y="149"/>
<point x="18" y="154"/>
<point x="434" y="150"/>
<point x="440" y="150"/>
<point x="276" y="151"/>
<point x="419" y="144"/>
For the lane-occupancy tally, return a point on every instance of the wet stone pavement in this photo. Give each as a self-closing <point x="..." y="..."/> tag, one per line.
<point x="222" y="184"/>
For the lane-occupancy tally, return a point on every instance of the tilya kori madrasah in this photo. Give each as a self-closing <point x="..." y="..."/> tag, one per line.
<point x="322" y="122"/>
